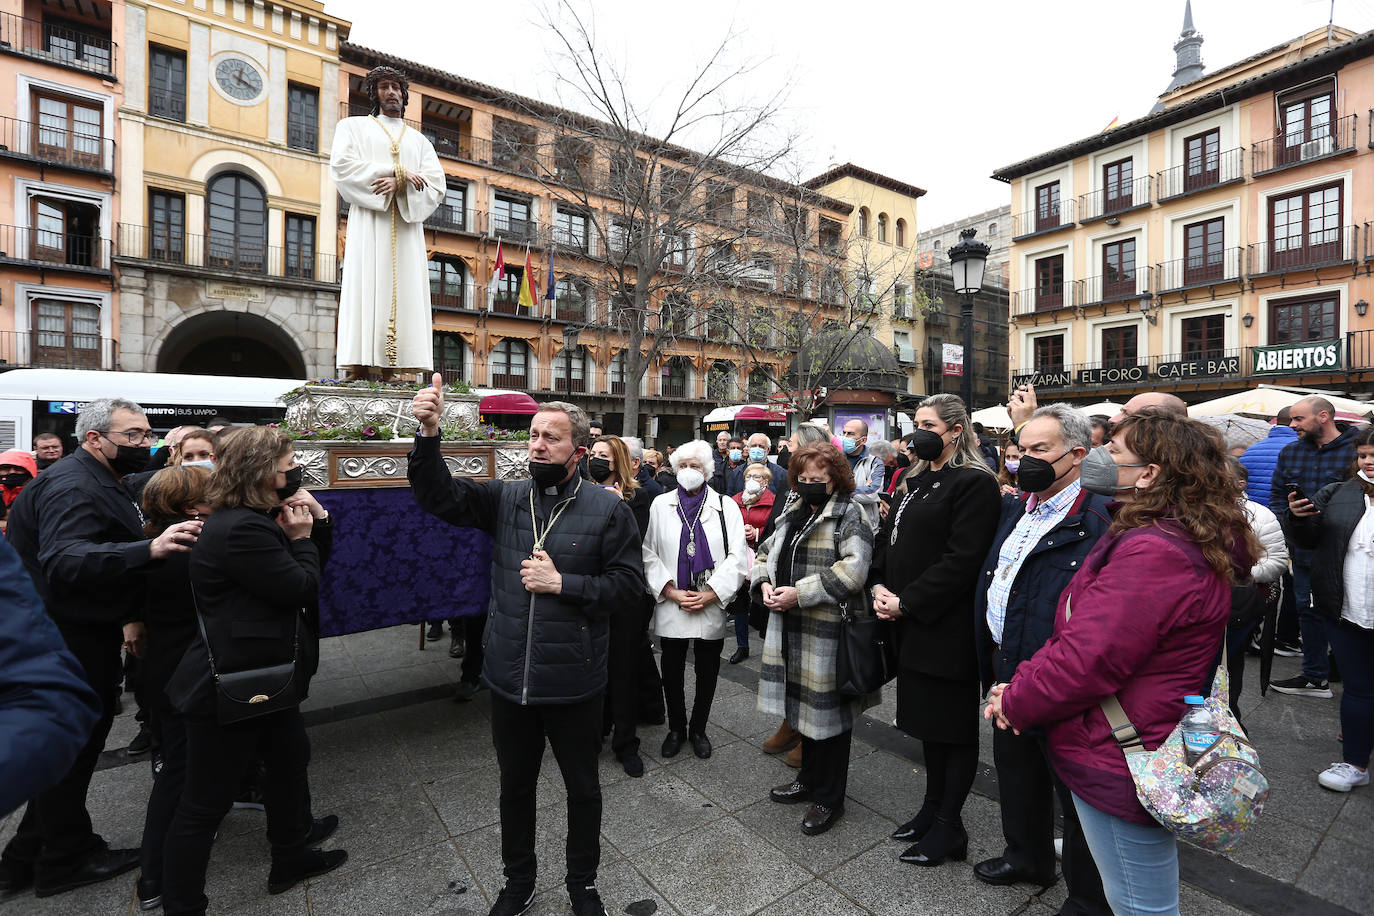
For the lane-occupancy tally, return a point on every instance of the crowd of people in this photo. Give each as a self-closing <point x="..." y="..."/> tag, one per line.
<point x="1087" y="558"/>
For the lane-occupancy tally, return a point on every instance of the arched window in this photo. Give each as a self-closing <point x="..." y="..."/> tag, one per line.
<point x="938" y="244"/>
<point x="992" y="229"/>
<point x="236" y="223"/>
<point x="863" y="222"/>
<point x="510" y="365"/>
<point x="450" y="355"/>
<point x="882" y="227"/>
<point x="901" y="233"/>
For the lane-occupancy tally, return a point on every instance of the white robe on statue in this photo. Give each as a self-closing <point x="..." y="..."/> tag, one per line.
<point x="362" y="154"/>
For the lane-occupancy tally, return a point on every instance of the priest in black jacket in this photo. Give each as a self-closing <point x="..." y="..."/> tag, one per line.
<point x="566" y="554"/>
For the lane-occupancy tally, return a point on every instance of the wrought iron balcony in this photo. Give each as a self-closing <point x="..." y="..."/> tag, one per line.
<point x="77" y="49"/>
<point x="1046" y="298"/>
<point x="1042" y="219"/>
<point x="57" y="350"/>
<point x="226" y="254"/>
<point x="1307" y="251"/>
<point x="1106" y="203"/>
<point x="1115" y="286"/>
<point x="455" y="219"/>
<point x="1200" y="270"/>
<point x="1201" y="174"/>
<point x="519" y="230"/>
<point x="60" y="249"/>
<point x="1311" y="143"/>
<point x="48" y="145"/>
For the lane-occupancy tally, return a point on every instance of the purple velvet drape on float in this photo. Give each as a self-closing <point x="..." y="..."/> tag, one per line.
<point x="394" y="563"/>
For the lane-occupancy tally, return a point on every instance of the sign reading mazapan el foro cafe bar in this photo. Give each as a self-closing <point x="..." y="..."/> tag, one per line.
<point x="1173" y="371"/>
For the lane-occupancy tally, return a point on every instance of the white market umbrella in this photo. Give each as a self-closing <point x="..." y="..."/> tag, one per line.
<point x="1107" y="409"/>
<point x="1265" y="401"/>
<point x="1237" y="429"/>
<point x="993" y="417"/>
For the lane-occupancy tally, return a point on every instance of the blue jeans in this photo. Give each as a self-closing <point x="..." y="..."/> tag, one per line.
<point x="1354" y="648"/>
<point x="742" y="630"/>
<point x="1315" y="666"/>
<point x="1138" y="864"/>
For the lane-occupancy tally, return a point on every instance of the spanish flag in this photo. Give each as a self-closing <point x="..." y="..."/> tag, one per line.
<point x="1115" y="121"/>
<point x="526" y="298"/>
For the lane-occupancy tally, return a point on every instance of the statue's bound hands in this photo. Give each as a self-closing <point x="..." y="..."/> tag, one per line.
<point x="416" y="181"/>
<point x="385" y="185"/>
<point x="428" y="406"/>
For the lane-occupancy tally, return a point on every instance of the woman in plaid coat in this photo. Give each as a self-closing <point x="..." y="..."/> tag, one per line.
<point x="817" y="557"/>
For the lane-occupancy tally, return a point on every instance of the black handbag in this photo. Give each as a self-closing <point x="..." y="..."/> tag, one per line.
<point x="253" y="692"/>
<point x="867" y="657"/>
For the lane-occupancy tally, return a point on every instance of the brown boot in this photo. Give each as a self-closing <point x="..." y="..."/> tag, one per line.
<point x="793" y="758"/>
<point x="784" y="739"/>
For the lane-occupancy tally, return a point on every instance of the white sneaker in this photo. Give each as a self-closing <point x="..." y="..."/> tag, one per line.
<point x="1058" y="848"/>
<point x="1342" y="777"/>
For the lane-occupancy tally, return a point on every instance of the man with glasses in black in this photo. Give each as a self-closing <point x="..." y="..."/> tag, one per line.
<point x="80" y="536"/>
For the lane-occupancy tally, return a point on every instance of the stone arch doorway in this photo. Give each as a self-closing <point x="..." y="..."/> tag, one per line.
<point x="230" y="343"/>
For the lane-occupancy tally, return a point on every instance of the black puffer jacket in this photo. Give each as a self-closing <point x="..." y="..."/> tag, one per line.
<point x="541" y="648"/>
<point x="1341" y="506"/>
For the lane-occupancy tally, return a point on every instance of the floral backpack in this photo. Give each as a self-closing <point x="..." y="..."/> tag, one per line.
<point x="1210" y="803"/>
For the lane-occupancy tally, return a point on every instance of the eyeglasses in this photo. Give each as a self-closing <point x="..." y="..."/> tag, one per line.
<point x="131" y="436"/>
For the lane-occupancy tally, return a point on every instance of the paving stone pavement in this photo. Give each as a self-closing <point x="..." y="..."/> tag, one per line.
<point x="412" y="776"/>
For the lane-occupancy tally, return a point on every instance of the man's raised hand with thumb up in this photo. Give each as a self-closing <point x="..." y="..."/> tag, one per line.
<point x="428" y="406"/>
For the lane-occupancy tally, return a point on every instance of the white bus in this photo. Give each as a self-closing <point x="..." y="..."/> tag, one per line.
<point x="34" y="401"/>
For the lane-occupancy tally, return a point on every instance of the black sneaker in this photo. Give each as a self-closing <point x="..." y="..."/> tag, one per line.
<point x="512" y="901"/>
<point x="1287" y="649"/>
<point x="251" y="799"/>
<point x="142" y="743"/>
<point x="456" y="645"/>
<point x="436" y="631"/>
<point x="1302" y="686"/>
<point x="633" y="764"/>
<point x="586" y="902"/>
<point x="149" y="894"/>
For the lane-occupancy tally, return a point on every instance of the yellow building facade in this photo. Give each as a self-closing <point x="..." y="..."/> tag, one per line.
<point x="226" y="248"/>
<point x="1219" y="241"/>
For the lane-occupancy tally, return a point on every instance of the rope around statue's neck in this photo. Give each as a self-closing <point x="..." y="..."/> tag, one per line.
<point x="401" y="178"/>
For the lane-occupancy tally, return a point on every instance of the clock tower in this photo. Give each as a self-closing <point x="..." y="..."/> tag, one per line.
<point x="227" y="245"/>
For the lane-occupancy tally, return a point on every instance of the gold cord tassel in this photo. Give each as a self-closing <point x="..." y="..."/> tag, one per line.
<point x="401" y="178"/>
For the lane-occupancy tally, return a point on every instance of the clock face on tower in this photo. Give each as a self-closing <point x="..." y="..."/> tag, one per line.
<point x="238" y="78"/>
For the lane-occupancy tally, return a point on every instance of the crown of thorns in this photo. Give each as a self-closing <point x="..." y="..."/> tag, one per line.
<point x="379" y="74"/>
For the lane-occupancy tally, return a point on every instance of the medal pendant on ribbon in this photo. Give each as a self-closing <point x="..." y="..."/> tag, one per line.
<point x="691" y="548"/>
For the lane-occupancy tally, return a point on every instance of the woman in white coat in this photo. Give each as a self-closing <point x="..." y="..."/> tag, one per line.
<point x="1250" y="603"/>
<point x="694" y="561"/>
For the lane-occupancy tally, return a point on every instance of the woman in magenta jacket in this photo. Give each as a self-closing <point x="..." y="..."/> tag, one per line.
<point x="1144" y="620"/>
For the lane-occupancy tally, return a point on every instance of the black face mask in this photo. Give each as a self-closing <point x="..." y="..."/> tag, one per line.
<point x="1036" y="474"/>
<point x="45" y="463"/>
<point x="600" y="469"/>
<point x="128" y="459"/>
<point x="547" y="474"/>
<point x="813" y="494"/>
<point x="903" y="461"/>
<point x="17" y="479"/>
<point x="293" y="482"/>
<point x="784" y="455"/>
<point x="927" y="445"/>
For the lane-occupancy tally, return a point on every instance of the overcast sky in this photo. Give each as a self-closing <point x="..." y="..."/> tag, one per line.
<point x="934" y="94"/>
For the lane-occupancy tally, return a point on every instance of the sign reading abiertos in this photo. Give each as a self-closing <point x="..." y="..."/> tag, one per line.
<point x="1293" y="358"/>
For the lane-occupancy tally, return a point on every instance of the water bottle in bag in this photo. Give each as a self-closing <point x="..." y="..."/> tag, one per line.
<point x="1200" y="730"/>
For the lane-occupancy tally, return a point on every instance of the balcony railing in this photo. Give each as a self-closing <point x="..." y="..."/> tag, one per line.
<point x="1042" y="219"/>
<point x="456" y="219"/>
<point x="60" y="45"/>
<point x="1116" y="286"/>
<point x="1046" y="298"/>
<point x="1313" y="142"/>
<point x="57" y="350"/>
<point x="452" y="144"/>
<point x="1105" y="203"/>
<point x="505" y="302"/>
<point x="61" y="249"/>
<point x="1199" y="270"/>
<point x="572" y="240"/>
<point x="1310" y="250"/>
<point x="55" y="145"/>
<point x="522" y="230"/>
<point x="229" y="255"/>
<point x="571" y="308"/>
<point x="1201" y="174"/>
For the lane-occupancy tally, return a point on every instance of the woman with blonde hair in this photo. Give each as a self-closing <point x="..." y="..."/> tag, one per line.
<point x="926" y="567"/>
<point x="253" y="573"/>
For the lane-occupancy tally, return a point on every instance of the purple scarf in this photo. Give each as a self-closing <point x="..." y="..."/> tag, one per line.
<point x="688" y="567"/>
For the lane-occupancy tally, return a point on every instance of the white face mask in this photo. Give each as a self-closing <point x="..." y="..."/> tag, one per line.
<point x="690" y="479"/>
<point x="208" y="465"/>
<point x="752" y="487"/>
<point x="1365" y="477"/>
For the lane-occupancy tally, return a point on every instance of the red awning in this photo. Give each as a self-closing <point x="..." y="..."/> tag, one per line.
<point x="751" y="412"/>
<point x="514" y="402"/>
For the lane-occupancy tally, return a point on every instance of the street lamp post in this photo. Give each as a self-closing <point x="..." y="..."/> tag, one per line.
<point x="966" y="262"/>
<point x="569" y="343"/>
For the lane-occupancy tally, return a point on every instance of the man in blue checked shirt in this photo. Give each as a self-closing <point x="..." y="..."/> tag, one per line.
<point x="1044" y="535"/>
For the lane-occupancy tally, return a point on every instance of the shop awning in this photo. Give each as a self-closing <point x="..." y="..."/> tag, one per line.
<point x="511" y="403"/>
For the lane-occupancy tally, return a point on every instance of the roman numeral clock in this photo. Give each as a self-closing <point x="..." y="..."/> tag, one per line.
<point x="239" y="79"/>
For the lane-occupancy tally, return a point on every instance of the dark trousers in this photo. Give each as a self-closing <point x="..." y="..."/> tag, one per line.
<point x="573" y="730"/>
<point x="649" y="681"/>
<point x="55" y="833"/>
<point x="629" y="628"/>
<point x="1287" y="629"/>
<point x="1354" y="648"/>
<point x="1027" y="787"/>
<point x="216" y="758"/>
<point x="706" y="661"/>
<point x="474" y="627"/>
<point x="825" y="768"/>
<point x="167" y="788"/>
